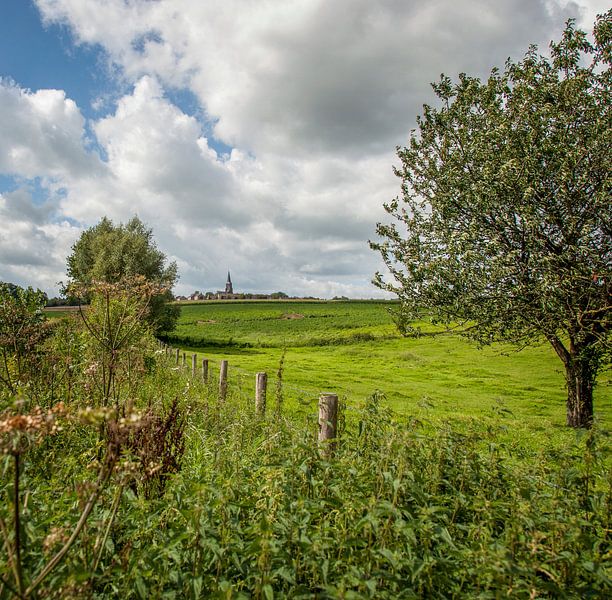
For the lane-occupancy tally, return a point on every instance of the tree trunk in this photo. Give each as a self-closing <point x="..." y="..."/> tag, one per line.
<point x="580" y="379"/>
<point x="580" y="372"/>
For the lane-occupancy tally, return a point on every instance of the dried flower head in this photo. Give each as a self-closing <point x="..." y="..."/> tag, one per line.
<point x="56" y="537"/>
<point x="22" y="428"/>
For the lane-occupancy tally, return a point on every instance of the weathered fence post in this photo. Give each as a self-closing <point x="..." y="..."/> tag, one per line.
<point x="205" y="370"/>
<point x="194" y="365"/>
<point x="261" y="383"/>
<point x="328" y="423"/>
<point x="177" y="352"/>
<point x="184" y="359"/>
<point x="223" y="381"/>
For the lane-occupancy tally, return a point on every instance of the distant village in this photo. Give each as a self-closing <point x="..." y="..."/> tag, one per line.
<point x="229" y="294"/>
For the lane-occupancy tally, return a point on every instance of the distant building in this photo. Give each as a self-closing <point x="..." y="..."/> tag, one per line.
<point x="228" y="293"/>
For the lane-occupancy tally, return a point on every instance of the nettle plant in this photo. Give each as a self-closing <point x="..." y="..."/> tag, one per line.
<point x="35" y="542"/>
<point x="117" y="338"/>
<point x="22" y="331"/>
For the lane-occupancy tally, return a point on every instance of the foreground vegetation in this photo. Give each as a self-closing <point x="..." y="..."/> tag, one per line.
<point x="401" y="511"/>
<point x="124" y="476"/>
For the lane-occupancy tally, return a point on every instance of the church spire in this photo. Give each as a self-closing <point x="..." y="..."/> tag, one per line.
<point x="229" y="289"/>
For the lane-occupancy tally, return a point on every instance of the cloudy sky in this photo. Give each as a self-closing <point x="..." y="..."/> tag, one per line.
<point x="254" y="136"/>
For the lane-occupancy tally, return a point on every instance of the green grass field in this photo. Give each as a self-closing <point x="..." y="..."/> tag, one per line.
<point x="353" y="348"/>
<point x="59" y="312"/>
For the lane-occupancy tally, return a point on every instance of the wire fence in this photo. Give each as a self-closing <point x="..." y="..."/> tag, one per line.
<point x="187" y="367"/>
<point x="328" y="404"/>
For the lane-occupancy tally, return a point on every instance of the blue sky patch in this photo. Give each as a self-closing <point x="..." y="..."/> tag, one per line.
<point x="46" y="57"/>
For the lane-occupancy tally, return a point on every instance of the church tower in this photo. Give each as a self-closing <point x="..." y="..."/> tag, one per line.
<point x="228" y="285"/>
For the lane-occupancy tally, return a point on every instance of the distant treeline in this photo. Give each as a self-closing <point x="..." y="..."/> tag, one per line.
<point x="61" y="302"/>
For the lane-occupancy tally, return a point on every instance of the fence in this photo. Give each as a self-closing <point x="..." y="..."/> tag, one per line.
<point x="328" y="403"/>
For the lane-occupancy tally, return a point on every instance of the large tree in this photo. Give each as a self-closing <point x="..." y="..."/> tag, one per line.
<point x="111" y="253"/>
<point x="505" y="213"/>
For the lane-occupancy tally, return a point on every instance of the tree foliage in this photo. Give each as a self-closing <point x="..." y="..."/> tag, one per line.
<point x="108" y="253"/>
<point x="504" y="218"/>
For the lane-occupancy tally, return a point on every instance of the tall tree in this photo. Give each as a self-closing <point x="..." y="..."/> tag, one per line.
<point x="110" y="253"/>
<point x="504" y="217"/>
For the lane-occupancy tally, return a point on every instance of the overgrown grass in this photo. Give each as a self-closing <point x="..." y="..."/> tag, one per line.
<point x="405" y="509"/>
<point x="439" y="490"/>
<point x="401" y="511"/>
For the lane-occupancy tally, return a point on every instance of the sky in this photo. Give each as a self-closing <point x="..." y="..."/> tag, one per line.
<point x="255" y="137"/>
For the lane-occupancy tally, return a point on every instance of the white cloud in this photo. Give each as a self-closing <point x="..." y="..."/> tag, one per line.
<point x="161" y="163"/>
<point x="42" y="134"/>
<point x="584" y="11"/>
<point x="32" y="249"/>
<point x="309" y="75"/>
<point x="312" y="96"/>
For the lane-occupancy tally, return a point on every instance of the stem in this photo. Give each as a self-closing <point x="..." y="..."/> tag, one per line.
<point x="108" y="330"/>
<point x="10" y="587"/>
<point x="91" y="502"/>
<point x="110" y="378"/>
<point x="53" y="384"/>
<point x="108" y="527"/>
<point x="7" y="381"/>
<point x="17" y="525"/>
<point x="9" y="550"/>
<point x="114" y="342"/>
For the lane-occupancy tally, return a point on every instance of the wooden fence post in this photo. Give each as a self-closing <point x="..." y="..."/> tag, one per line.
<point x="205" y="370"/>
<point x="184" y="358"/>
<point x="194" y="364"/>
<point x="177" y="352"/>
<point x="261" y="383"/>
<point x="223" y="381"/>
<point x="328" y="423"/>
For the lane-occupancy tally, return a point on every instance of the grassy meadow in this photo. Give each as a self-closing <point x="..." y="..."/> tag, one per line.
<point x="353" y="348"/>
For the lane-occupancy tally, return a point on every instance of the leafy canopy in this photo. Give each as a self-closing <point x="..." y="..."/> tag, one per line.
<point x="111" y="253"/>
<point x="21" y="313"/>
<point x="504" y="217"/>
